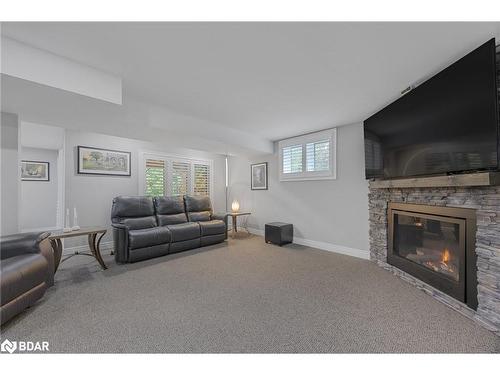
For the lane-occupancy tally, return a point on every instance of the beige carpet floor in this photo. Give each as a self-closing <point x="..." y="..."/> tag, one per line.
<point x="243" y="296"/>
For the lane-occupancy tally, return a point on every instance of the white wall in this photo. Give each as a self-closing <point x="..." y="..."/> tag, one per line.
<point x="39" y="198"/>
<point x="334" y="213"/>
<point x="10" y="174"/>
<point x="41" y="136"/>
<point x="92" y="195"/>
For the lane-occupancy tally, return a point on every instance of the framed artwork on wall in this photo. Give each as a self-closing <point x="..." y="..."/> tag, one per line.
<point x="259" y="176"/>
<point x="102" y="161"/>
<point x="35" y="170"/>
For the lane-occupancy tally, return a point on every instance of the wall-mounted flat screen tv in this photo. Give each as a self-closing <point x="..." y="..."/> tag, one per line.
<point x="448" y="124"/>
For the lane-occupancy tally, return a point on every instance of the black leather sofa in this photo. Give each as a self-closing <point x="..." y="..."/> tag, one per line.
<point x="146" y="227"/>
<point x="26" y="271"/>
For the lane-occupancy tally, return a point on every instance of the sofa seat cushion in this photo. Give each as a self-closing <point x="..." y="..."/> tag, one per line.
<point x="199" y="216"/>
<point x="20" y="274"/>
<point x="148" y="237"/>
<point x="135" y="223"/>
<point x="184" y="231"/>
<point x="209" y="228"/>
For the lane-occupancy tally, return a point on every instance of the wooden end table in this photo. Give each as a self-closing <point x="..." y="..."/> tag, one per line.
<point x="234" y="216"/>
<point x="94" y="236"/>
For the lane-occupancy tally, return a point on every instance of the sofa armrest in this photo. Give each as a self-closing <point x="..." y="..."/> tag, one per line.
<point x="48" y="253"/>
<point x="120" y="242"/>
<point x="221" y="216"/>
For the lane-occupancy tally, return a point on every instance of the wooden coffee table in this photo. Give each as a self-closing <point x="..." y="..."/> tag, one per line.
<point x="94" y="235"/>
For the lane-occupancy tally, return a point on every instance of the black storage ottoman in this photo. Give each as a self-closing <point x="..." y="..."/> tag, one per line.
<point x="279" y="233"/>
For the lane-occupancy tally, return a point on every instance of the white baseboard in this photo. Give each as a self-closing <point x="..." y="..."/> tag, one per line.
<point x="258" y="232"/>
<point x="363" y="254"/>
<point x="103" y="246"/>
<point x="358" y="253"/>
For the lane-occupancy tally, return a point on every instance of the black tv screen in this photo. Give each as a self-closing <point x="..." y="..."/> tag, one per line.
<point x="448" y="124"/>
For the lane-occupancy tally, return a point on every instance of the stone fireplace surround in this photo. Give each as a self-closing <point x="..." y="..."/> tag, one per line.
<point x="486" y="201"/>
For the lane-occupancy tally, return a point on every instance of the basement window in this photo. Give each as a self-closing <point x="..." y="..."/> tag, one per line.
<point x="308" y="157"/>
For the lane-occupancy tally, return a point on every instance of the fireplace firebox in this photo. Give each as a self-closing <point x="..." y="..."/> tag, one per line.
<point x="437" y="245"/>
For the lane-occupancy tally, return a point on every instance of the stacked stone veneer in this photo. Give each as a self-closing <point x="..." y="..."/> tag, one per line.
<point x="486" y="201"/>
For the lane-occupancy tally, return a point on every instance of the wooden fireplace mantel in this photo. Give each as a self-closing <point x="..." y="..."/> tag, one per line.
<point x="458" y="180"/>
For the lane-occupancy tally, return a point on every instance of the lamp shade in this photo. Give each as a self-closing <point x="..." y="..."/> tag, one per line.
<point x="235" y="206"/>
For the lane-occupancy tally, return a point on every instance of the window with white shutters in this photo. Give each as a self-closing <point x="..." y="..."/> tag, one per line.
<point x="318" y="156"/>
<point x="201" y="179"/>
<point x="308" y="157"/>
<point x="179" y="183"/>
<point x="155" y="177"/>
<point x="292" y="159"/>
<point x="164" y="175"/>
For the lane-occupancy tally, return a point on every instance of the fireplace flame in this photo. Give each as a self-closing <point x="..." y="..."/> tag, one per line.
<point x="446" y="256"/>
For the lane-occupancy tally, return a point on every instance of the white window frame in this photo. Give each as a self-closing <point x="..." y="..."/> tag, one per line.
<point x="330" y="174"/>
<point x="168" y="159"/>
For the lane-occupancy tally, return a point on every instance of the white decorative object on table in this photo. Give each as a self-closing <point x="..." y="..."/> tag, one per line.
<point x="67" y="224"/>
<point x="235" y="206"/>
<point x="75" y="220"/>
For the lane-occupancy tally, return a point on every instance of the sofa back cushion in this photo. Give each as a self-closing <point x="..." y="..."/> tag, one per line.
<point x="198" y="208"/>
<point x="134" y="212"/>
<point x="170" y="210"/>
<point x="21" y="243"/>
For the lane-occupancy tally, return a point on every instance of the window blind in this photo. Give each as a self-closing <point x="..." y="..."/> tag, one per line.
<point x="201" y="179"/>
<point x="318" y="156"/>
<point x="180" y="178"/>
<point x="292" y="159"/>
<point x="155" y="177"/>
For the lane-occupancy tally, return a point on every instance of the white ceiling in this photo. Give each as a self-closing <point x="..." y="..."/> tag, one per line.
<point x="265" y="80"/>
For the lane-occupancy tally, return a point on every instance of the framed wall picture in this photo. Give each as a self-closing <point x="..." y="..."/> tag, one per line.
<point x="102" y="161"/>
<point x="259" y="176"/>
<point x="35" y="170"/>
